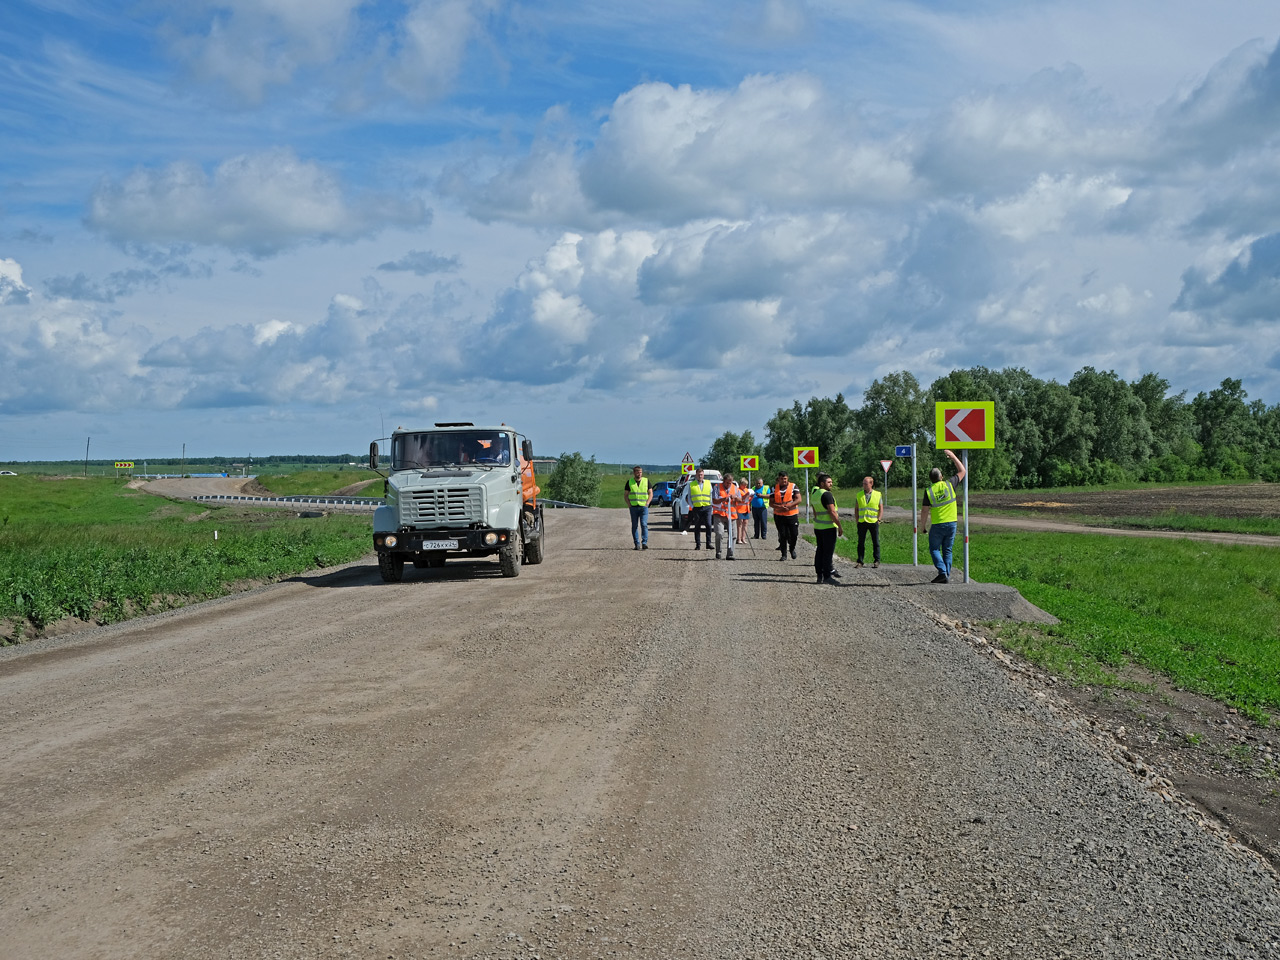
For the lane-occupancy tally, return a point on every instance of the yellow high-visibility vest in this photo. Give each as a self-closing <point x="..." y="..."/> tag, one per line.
<point x="869" y="507"/>
<point x="699" y="494"/>
<point x="637" y="492"/>
<point x="942" y="502"/>
<point x="822" y="518"/>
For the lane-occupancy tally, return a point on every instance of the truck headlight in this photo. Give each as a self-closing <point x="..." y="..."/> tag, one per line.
<point x="391" y="540"/>
<point x="490" y="539"/>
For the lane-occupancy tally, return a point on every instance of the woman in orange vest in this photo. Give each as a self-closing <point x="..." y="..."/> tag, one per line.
<point x="743" y="506"/>
<point x="786" y="515"/>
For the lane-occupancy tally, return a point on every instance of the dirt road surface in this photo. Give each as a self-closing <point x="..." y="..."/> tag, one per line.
<point x="617" y="754"/>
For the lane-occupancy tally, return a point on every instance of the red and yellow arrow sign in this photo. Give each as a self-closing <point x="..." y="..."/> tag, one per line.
<point x="805" y="456"/>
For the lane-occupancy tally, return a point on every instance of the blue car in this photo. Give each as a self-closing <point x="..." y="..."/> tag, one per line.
<point x="663" y="492"/>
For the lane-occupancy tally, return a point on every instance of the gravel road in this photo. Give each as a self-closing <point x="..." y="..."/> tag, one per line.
<point x="617" y="754"/>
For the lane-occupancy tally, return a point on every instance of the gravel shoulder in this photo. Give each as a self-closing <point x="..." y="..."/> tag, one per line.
<point x="638" y="754"/>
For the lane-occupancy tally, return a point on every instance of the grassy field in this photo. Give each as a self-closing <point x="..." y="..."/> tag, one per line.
<point x="1171" y="520"/>
<point x="1206" y="616"/>
<point x="94" y="549"/>
<point x="319" y="482"/>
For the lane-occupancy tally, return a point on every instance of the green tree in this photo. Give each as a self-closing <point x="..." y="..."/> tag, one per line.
<point x="830" y="425"/>
<point x="574" y="480"/>
<point x="1123" y="435"/>
<point x="727" y="448"/>
<point x="1229" y="434"/>
<point x="894" y="411"/>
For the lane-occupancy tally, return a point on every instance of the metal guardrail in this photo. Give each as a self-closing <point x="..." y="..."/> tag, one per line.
<point x="371" y="502"/>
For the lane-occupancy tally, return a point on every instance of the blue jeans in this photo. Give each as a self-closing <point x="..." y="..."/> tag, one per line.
<point x="639" y="515"/>
<point x="941" y="536"/>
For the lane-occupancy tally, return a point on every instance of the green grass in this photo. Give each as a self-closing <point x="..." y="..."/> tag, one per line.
<point x="93" y="549"/>
<point x="319" y="482"/>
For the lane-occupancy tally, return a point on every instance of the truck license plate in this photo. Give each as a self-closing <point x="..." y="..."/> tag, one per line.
<point x="439" y="545"/>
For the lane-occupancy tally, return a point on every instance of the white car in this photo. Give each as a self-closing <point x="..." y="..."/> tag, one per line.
<point x="680" y="502"/>
<point x="7" y="473"/>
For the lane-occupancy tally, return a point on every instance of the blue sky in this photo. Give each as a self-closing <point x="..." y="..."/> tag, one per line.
<point x="285" y="226"/>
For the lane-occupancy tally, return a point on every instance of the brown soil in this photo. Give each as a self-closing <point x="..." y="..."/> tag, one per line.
<point x="1236" y="500"/>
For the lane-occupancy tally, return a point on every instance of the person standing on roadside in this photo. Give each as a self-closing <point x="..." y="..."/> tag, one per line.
<point x="760" y="510"/>
<point x="724" y="519"/>
<point x="826" y="528"/>
<point x="870" y="512"/>
<point x="742" y="510"/>
<point x="940" y="498"/>
<point x="700" y="508"/>
<point x="638" y="497"/>
<point x="786" y="515"/>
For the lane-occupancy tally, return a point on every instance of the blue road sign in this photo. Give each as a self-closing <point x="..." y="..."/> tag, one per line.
<point x="902" y="451"/>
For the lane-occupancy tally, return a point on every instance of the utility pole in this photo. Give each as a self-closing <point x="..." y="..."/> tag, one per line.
<point x="86" y="455"/>
<point x="183" y="471"/>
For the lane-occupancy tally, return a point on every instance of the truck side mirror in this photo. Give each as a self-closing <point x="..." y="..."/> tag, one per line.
<point x="526" y="450"/>
<point x="373" y="455"/>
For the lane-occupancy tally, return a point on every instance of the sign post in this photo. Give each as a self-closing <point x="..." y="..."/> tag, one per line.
<point x="909" y="450"/>
<point x="965" y="425"/>
<point x="805" y="457"/>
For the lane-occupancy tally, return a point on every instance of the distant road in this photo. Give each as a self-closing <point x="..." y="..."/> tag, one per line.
<point x="187" y="487"/>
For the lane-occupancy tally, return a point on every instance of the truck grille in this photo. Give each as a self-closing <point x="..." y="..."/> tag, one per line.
<point x="445" y="505"/>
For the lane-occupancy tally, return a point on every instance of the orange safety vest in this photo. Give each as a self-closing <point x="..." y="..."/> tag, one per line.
<point x="722" y="508"/>
<point x="780" y="498"/>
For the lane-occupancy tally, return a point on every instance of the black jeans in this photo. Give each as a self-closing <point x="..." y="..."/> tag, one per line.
<point x="700" y="519"/>
<point x="761" y="529"/>
<point x="823" y="562"/>
<point x="874" y="530"/>
<point x="788" y="531"/>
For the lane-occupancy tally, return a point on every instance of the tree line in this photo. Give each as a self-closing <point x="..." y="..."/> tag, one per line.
<point x="1096" y="428"/>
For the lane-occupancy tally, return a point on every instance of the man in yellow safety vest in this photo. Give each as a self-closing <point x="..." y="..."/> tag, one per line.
<point x="870" y="513"/>
<point x="700" y="508"/>
<point x="638" y="496"/>
<point x="940" y="498"/>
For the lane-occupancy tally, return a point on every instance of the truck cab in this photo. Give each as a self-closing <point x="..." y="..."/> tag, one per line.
<point x="457" y="490"/>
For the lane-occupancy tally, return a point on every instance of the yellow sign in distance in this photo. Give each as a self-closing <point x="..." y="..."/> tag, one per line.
<point x="124" y="464"/>
<point x="804" y="456"/>
<point x="688" y="469"/>
<point x="965" y="425"/>
<point x="748" y="463"/>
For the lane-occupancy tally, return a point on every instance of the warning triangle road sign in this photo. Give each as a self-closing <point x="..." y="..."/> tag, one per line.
<point x="688" y="457"/>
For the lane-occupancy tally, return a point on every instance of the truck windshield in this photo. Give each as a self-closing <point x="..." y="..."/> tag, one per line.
<point x="484" y="447"/>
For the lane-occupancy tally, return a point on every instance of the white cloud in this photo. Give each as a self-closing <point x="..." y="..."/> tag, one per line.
<point x="259" y="203"/>
<point x="12" y="290"/>
<point x="1052" y="203"/>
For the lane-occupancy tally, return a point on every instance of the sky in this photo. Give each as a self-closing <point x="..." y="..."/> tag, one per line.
<point x="289" y="226"/>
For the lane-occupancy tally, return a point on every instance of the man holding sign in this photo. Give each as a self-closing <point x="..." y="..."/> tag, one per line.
<point x="940" y="498"/>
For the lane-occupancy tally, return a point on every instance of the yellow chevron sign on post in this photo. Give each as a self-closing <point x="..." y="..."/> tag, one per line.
<point x="748" y="463"/>
<point x="805" y="456"/>
<point x="124" y="464"/>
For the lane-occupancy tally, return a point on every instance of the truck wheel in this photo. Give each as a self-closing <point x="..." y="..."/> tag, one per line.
<point x="533" y="550"/>
<point x="509" y="559"/>
<point x="391" y="568"/>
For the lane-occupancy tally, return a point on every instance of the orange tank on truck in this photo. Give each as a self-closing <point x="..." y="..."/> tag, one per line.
<point x="457" y="490"/>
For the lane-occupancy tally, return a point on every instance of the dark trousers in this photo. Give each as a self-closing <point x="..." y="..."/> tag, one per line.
<point x="874" y="530"/>
<point x="823" y="562"/>
<point x="699" y="520"/>
<point x="788" y="531"/>
<point x="760" y="517"/>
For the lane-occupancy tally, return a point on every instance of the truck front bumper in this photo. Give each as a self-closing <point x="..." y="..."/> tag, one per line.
<point x="442" y="541"/>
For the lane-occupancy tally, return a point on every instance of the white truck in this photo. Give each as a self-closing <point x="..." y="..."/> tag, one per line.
<point x="457" y="490"/>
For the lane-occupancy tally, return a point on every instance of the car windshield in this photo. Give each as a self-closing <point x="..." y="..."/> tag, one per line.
<point x="484" y="447"/>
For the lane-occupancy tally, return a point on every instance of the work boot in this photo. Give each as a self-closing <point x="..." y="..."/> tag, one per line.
<point x="717" y="554"/>
<point x="645" y="546"/>
<point x="834" y="573"/>
<point x="858" y="564"/>
<point x="731" y="557"/>
<point x="876" y="564"/>
<point x="793" y="554"/>
<point x="940" y="578"/>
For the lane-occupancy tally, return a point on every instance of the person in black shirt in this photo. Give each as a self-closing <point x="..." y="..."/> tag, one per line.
<point x="826" y="529"/>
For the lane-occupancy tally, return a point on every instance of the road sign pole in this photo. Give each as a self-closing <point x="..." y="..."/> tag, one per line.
<point x="808" y="509"/>
<point x="966" y="515"/>
<point x="915" y="520"/>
